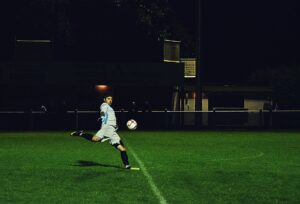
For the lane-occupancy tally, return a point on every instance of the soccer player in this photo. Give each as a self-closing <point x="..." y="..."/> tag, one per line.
<point x="108" y="130"/>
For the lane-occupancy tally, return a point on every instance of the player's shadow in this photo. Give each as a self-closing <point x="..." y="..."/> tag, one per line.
<point x="83" y="163"/>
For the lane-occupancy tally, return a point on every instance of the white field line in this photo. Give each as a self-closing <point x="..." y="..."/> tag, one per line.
<point x="154" y="188"/>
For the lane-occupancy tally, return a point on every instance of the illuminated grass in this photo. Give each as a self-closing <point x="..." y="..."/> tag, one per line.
<point x="186" y="167"/>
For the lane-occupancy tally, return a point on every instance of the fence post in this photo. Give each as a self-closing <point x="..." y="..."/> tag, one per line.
<point x="30" y="120"/>
<point x="271" y="119"/>
<point x="166" y="118"/>
<point x="76" y="119"/>
<point x="260" y="118"/>
<point x="214" y="118"/>
<point x="123" y="120"/>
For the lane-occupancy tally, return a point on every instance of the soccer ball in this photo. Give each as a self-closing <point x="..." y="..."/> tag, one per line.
<point x="131" y="124"/>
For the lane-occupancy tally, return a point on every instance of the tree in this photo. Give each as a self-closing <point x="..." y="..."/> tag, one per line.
<point x="106" y="29"/>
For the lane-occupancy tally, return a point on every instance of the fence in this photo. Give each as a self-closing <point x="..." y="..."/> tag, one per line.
<point x="72" y="120"/>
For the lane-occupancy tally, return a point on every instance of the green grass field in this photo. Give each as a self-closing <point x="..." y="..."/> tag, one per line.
<point x="178" y="167"/>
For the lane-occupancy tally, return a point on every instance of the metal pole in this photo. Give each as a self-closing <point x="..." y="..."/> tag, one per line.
<point x="199" y="62"/>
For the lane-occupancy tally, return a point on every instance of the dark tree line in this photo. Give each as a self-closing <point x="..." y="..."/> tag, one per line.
<point x="100" y="30"/>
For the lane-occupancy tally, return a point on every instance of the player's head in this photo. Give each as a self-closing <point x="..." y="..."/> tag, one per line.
<point x="108" y="98"/>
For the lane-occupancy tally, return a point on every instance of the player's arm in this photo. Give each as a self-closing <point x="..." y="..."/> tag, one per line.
<point x="102" y="115"/>
<point x="103" y="112"/>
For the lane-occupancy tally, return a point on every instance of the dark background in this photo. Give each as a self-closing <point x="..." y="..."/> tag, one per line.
<point x="239" y="37"/>
<point x="242" y="42"/>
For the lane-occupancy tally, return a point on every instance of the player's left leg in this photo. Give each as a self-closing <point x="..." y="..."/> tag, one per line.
<point x="123" y="153"/>
<point x="116" y="141"/>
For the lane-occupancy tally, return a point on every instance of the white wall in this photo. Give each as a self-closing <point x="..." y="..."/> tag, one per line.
<point x="254" y="104"/>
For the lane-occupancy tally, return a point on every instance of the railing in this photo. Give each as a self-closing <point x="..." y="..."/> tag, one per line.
<point x="71" y="120"/>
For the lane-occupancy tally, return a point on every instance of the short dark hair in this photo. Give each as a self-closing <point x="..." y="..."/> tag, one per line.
<point x="107" y="95"/>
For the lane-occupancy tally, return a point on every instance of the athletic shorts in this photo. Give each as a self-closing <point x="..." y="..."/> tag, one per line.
<point x="109" y="132"/>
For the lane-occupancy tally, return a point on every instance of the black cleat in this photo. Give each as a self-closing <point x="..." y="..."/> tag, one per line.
<point x="128" y="167"/>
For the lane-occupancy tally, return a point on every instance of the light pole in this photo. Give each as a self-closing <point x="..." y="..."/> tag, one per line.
<point x="199" y="64"/>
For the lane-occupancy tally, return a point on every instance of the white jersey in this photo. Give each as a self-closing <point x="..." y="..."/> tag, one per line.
<point x="108" y="115"/>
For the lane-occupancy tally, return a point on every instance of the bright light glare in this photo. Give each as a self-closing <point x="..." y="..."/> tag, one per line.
<point x="101" y="88"/>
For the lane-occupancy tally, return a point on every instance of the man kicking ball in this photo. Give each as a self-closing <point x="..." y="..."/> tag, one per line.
<point x="108" y="130"/>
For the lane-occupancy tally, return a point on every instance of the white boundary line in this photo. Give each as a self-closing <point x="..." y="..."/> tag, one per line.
<point x="154" y="188"/>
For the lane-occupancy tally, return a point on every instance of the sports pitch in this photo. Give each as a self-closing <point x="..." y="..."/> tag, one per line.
<point x="176" y="167"/>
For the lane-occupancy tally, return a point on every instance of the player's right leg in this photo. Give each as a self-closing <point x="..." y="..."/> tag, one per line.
<point x="77" y="133"/>
<point x="90" y="137"/>
<point x="95" y="138"/>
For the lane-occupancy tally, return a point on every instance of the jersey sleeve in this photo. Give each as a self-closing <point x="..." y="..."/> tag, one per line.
<point x="103" y="112"/>
<point x="103" y="107"/>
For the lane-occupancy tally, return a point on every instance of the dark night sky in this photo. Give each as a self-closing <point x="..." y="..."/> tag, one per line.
<point x="249" y="35"/>
<point x="238" y="36"/>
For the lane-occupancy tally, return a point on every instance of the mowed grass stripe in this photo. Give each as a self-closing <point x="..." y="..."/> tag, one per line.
<point x="187" y="167"/>
<point x="154" y="188"/>
<point x="45" y="168"/>
<point x="221" y="166"/>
